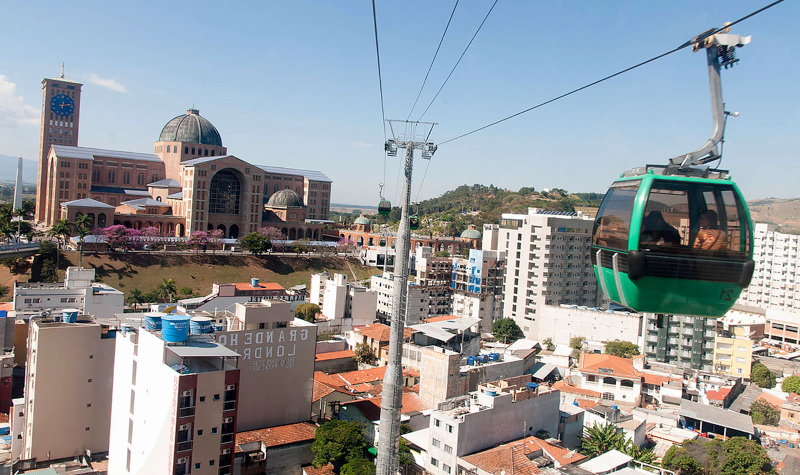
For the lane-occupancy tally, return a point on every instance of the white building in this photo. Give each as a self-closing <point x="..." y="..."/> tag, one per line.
<point x="618" y="380"/>
<point x="567" y="321"/>
<point x="343" y="304"/>
<point x="478" y="286"/>
<point x="77" y="291"/>
<point x="776" y="280"/>
<point x="423" y="301"/>
<point x="547" y="263"/>
<point x="174" y="405"/>
<point x="66" y="410"/>
<point x="498" y="412"/>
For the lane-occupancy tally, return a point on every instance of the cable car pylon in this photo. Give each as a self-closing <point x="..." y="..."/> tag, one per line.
<point x="414" y="136"/>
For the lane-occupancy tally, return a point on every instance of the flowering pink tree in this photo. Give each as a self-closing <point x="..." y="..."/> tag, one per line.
<point x="345" y="245"/>
<point x="273" y="234"/>
<point x="198" y="240"/>
<point x="116" y="236"/>
<point x="215" y="238"/>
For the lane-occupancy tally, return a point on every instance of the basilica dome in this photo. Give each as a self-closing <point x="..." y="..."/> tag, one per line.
<point x="285" y="199"/>
<point x="191" y="128"/>
<point x="471" y="233"/>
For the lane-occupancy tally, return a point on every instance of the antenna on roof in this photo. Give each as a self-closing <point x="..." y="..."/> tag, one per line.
<point x="62" y="70"/>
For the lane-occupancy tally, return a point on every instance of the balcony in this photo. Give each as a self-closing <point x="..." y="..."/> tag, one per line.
<point x="186" y="411"/>
<point x="184" y="446"/>
<point x="229" y="406"/>
<point x="226" y="438"/>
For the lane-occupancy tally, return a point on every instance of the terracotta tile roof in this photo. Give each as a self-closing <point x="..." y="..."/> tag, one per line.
<point x="334" y="355"/>
<point x="586" y="403"/>
<point x="513" y="457"/>
<point x="3" y="418"/>
<point x="278" y="435"/>
<point x="655" y="379"/>
<point x="324" y="470"/>
<point x="441" y="318"/>
<point x="793" y="397"/>
<point x="411" y="403"/>
<point x="593" y="362"/>
<point x="7" y="306"/>
<point x="362" y="376"/>
<point x="564" y="387"/>
<point x="320" y="391"/>
<point x="261" y="286"/>
<point x="718" y="395"/>
<point x="380" y="332"/>
<point x="327" y="379"/>
<point x="411" y="372"/>
<point x="767" y="397"/>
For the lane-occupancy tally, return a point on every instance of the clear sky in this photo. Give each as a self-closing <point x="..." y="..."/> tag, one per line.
<point x="295" y="84"/>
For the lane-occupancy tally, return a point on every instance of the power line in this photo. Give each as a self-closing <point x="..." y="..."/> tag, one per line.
<point x="684" y="45"/>
<point x="380" y="83"/>
<point x="459" y="60"/>
<point x="433" y="60"/>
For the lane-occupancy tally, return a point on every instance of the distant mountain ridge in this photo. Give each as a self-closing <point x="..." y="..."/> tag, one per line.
<point x="8" y="170"/>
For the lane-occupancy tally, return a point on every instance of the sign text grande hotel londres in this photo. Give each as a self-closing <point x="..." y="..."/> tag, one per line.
<point x="264" y="350"/>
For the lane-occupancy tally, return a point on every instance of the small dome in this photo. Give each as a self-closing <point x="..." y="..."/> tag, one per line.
<point x="285" y="199"/>
<point x="191" y="128"/>
<point x="471" y="234"/>
<point x="362" y="220"/>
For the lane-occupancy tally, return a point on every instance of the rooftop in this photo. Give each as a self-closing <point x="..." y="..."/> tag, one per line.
<point x="523" y="457"/>
<point x="334" y="355"/>
<point x="68" y="151"/>
<point x="310" y="174"/>
<point x="260" y="286"/>
<point x="717" y="416"/>
<point x="609" y="365"/>
<point x="278" y="435"/>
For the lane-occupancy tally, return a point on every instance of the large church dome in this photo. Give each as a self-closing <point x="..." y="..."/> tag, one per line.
<point x="191" y="128"/>
<point x="285" y="199"/>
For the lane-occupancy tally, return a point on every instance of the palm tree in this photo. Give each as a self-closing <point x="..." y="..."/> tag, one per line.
<point x="83" y="224"/>
<point x="641" y="454"/>
<point x="599" y="439"/>
<point x="60" y="230"/>
<point x="166" y="289"/>
<point x="135" y="297"/>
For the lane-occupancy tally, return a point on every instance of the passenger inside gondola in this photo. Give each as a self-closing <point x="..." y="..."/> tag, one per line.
<point x="710" y="237"/>
<point x="655" y="230"/>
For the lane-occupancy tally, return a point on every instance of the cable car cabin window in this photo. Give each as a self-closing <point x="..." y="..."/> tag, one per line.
<point x="695" y="219"/>
<point x="614" y="216"/>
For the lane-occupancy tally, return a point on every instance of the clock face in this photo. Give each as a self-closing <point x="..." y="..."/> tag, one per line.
<point x="62" y="105"/>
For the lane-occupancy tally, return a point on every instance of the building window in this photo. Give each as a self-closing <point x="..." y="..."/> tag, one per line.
<point x="434" y="462"/>
<point x="436" y="443"/>
<point x="448" y="449"/>
<point x="436" y="422"/>
<point x="216" y="397"/>
<point x="213" y="430"/>
<point x="199" y="432"/>
<point x="225" y="190"/>
<point x="446" y="468"/>
<point x="126" y="178"/>
<point x="449" y="428"/>
<point x="197" y="466"/>
<point x="608" y="396"/>
<point x="112" y="176"/>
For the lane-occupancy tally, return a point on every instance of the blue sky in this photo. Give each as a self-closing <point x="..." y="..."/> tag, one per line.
<point x="295" y="84"/>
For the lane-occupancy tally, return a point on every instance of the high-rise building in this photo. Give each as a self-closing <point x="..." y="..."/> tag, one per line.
<point x="478" y="286"/>
<point x="61" y="107"/>
<point x="680" y="340"/>
<point x="547" y="262"/>
<point x="776" y="280"/>
<point x="423" y="301"/>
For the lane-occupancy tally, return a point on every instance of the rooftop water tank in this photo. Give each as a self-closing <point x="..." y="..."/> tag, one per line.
<point x="69" y="315"/>
<point x="200" y="325"/>
<point x="254" y="281"/>
<point x="614" y="407"/>
<point x="494" y="356"/>
<point x="471" y="360"/>
<point x="491" y="393"/>
<point x="175" y="328"/>
<point x="218" y="328"/>
<point x="575" y="403"/>
<point x="483" y="358"/>
<point x="531" y="386"/>
<point x="152" y="322"/>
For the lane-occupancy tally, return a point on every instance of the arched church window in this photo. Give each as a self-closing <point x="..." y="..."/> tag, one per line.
<point x="224" y="194"/>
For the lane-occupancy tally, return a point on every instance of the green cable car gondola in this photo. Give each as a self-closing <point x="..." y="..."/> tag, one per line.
<point x="413" y="222"/>
<point x="677" y="239"/>
<point x="384" y="207"/>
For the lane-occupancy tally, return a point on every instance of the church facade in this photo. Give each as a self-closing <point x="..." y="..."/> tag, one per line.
<point x="189" y="183"/>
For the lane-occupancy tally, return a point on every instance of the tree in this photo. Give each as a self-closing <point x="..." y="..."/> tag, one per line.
<point x="364" y="354"/>
<point x="548" y="344"/>
<point x="576" y="342"/>
<point x="83" y="225"/>
<point x="307" y="312"/>
<point x="116" y="236"/>
<point x="761" y="376"/>
<point x="762" y="412"/>
<point x="645" y="455"/>
<point x="599" y="439"/>
<point x="358" y="466"/>
<point x="733" y="456"/>
<point x="791" y="385"/>
<point x="61" y="230"/>
<point x="621" y="348"/>
<point x="338" y="442"/>
<point x="404" y="456"/>
<point x="345" y="246"/>
<point x="166" y="289"/>
<point x="135" y="297"/>
<point x="506" y="330"/>
<point x="198" y="240"/>
<point x="256" y="243"/>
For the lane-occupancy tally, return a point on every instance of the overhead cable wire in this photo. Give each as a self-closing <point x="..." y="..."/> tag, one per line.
<point x="380" y="84"/>
<point x="459" y="60"/>
<point x="684" y="45"/>
<point x="433" y="60"/>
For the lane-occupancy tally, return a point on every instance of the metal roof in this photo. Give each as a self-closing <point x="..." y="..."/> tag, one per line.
<point x="191" y="128"/>
<point x="144" y="202"/>
<point x="448" y="329"/>
<point x="194" y="349"/>
<point x="309" y="174"/>
<point x="717" y="416"/>
<point x="68" y="151"/>
<point x="87" y="202"/>
<point x="166" y="183"/>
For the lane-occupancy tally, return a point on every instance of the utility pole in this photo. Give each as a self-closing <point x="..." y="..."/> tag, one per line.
<point x="414" y="135"/>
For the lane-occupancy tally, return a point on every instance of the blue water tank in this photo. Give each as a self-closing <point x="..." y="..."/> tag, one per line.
<point x="531" y="386"/>
<point x="69" y="315"/>
<point x="471" y="360"/>
<point x="200" y="325"/>
<point x="491" y="393"/>
<point x="175" y="328"/>
<point x="254" y="281"/>
<point x="152" y="322"/>
<point x="4" y="430"/>
<point x="614" y="407"/>
<point x="483" y="358"/>
<point x="494" y="356"/>
<point x="218" y="328"/>
<point x="575" y="403"/>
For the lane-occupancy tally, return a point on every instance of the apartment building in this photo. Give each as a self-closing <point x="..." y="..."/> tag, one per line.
<point x="66" y="410"/>
<point x="423" y="301"/>
<point x="344" y="305"/>
<point x="79" y="290"/>
<point x="733" y="353"/>
<point x="496" y="413"/>
<point x="776" y="280"/>
<point x="547" y="263"/>
<point x="478" y="286"/>
<point x="174" y="406"/>
<point x="681" y="340"/>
